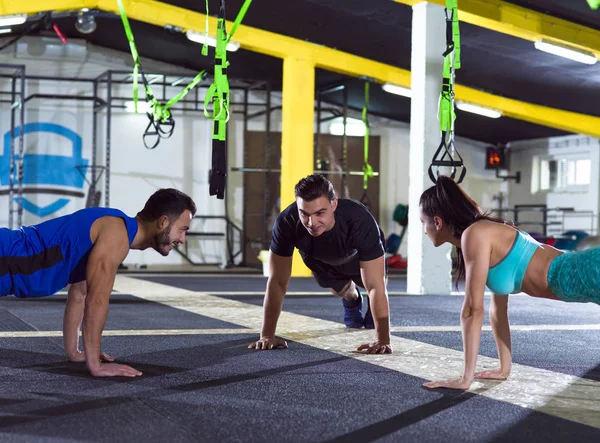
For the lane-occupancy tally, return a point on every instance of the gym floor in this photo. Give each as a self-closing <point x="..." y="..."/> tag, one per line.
<point x="189" y="335"/>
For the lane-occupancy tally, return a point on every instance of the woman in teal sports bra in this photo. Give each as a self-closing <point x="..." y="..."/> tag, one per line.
<point x="492" y="252"/>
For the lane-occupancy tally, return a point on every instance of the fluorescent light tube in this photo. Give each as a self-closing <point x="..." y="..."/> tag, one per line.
<point x="5" y="30"/>
<point x="354" y="127"/>
<point x="575" y="54"/>
<point x="481" y="110"/>
<point x="142" y="107"/>
<point x="198" y="37"/>
<point x="11" y="20"/>
<point x="395" y="89"/>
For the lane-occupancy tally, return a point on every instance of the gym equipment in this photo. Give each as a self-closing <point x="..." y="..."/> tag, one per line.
<point x="588" y="242"/>
<point x="161" y="123"/>
<point x="569" y="240"/>
<point x="394" y="241"/>
<point x="367" y="168"/>
<point x="446" y="105"/>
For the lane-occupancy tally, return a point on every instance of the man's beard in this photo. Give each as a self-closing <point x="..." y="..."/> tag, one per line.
<point x="161" y="240"/>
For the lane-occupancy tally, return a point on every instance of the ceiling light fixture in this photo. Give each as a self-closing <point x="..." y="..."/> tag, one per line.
<point x="86" y="22"/>
<point x="198" y="37"/>
<point x="477" y="109"/>
<point x="5" y="30"/>
<point x="142" y="107"/>
<point x="12" y="20"/>
<point x="395" y="89"/>
<point x="354" y="127"/>
<point x="576" y="54"/>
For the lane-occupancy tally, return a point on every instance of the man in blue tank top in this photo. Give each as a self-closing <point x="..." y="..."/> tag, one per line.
<point x="340" y="241"/>
<point x="85" y="249"/>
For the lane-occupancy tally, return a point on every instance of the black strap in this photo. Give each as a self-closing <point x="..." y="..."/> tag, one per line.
<point x="218" y="172"/>
<point x="447" y="146"/>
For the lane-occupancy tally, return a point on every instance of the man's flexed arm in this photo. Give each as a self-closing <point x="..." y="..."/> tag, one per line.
<point x="280" y="270"/>
<point x="110" y="249"/>
<point x="373" y="277"/>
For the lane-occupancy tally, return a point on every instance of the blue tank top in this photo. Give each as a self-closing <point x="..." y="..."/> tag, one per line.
<point x="41" y="260"/>
<point x="507" y="276"/>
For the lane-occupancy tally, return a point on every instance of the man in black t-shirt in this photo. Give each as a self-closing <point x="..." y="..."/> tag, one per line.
<point x="340" y="241"/>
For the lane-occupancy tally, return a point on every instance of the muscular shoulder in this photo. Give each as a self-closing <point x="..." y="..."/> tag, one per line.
<point x="110" y="229"/>
<point x="478" y="237"/>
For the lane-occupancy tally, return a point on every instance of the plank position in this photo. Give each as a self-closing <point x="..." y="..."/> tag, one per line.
<point x="340" y="241"/>
<point x="84" y="249"/>
<point x="491" y="252"/>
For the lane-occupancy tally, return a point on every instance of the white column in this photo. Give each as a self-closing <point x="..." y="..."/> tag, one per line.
<point x="429" y="268"/>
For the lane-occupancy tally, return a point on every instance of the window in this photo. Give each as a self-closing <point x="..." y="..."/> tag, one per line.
<point x="560" y="174"/>
<point x="548" y="174"/>
<point x="581" y="172"/>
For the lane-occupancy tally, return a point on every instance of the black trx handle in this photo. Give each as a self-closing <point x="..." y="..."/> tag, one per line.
<point x="452" y="163"/>
<point x="157" y="129"/>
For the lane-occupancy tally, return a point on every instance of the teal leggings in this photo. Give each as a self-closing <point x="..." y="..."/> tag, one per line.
<point x="575" y="276"/>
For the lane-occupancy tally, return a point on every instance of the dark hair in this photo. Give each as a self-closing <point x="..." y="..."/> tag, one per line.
<point x="448" y="201"/>
<point x="169" y="202"/>
<point x="314" y="186"/>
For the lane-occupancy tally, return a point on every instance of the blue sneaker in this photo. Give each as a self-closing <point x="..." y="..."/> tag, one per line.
<point x="369" y="323"/>
<point x="353" y="313"/>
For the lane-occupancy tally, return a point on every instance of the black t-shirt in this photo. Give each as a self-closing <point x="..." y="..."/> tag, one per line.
<point x="354" y="237"/>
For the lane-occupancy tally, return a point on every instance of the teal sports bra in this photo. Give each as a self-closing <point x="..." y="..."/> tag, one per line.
<point x="507" y="276"/>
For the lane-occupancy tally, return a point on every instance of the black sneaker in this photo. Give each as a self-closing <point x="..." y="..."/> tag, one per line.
<point x="353" y="313"/>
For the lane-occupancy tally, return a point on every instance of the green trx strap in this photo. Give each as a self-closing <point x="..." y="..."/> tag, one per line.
<point x="218" y="96"/>
<point x="367" y="168"/>
<point x="447" y="115"/>
<point x="239" y="18"/>
<point x="161" y="121"/>
<point x="594" y="4"/>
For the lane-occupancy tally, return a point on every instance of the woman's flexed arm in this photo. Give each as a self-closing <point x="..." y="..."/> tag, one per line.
<point x="476" y="248"/>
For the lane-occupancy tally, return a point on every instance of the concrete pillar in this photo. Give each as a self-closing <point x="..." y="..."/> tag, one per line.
<point x="429" y="268"/>
<point x="297" y="135"/>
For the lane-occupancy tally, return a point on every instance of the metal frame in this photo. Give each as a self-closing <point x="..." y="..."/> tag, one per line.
<point x="103" y="85"/>
<point x="16" y="100"/>
<point x="163" y="81"/>
<point x="266" y="112"/>
<point x="94" y="99"/>
<point x="229" y="233"/>
<point x="319" y="167"/>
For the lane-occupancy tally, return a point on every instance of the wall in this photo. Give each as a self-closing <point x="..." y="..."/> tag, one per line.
<point x="572" y="146"/>
<point x="481" y="184"/>
<point x="183" y="160"/>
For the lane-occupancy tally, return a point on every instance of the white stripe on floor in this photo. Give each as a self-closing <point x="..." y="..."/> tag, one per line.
<point x="557" y="394"/>
<point x="150" y="332"/>
<point x="132" y="332"/>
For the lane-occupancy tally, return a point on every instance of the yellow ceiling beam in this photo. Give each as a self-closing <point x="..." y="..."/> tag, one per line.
<point x="524" y="23"/>
<point x="11" y="7"/>
<point x="264" y="42"/>
<point x="538" y="114"/>
<point x="275" y="45"/>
